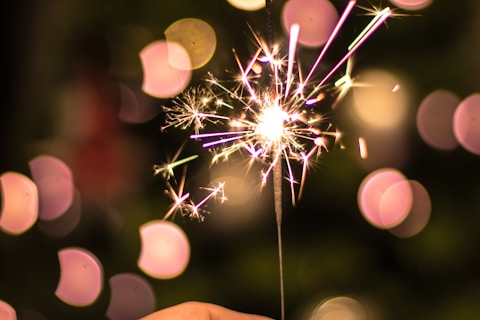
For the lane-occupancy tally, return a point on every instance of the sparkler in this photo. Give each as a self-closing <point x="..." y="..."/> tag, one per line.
<point x="278" y="123"/>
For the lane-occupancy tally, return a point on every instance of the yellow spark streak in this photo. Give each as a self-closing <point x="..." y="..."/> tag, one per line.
<point x="178" y="197"/>
<point x="170" y="166"/>
<point x="247" y="70"/>
<point x="344" y="83"/>
<point x="362" y="145"/>
<point x="212" y="194"/>
<point x="306" y="162"/>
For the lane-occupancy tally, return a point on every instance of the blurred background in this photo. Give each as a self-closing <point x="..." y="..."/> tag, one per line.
<point x="73" y="82"/>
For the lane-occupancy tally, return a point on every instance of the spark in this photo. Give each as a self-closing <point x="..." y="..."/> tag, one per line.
<point x="362" y="145"/>
<point x="193" y="110"/>
<point x="183" y="203"/>
<point x="179" y="199"/>
<point x="167" y="169"/>
<point x="279" y="122"/>
<point x="375" y="10"/>
<point x="344" y="83"/>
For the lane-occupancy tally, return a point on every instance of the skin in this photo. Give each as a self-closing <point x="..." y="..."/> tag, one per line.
<point x="200" y="311"/>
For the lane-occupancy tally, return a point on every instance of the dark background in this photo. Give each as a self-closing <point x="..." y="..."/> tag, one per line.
<point x="329" y="249"/>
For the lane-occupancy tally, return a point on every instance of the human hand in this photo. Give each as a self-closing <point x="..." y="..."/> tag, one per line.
<point x="200" y="311"/>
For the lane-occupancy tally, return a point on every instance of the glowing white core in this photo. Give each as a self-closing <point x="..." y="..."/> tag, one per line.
<point x="270" y="124"/>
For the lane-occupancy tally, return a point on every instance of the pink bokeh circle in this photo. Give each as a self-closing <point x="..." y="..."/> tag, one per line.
<point x="7" y="312"/>
<point x="411" y="4"/>
<point x="466" y="123"/>
<point x="19" y="210"/>
<point x="385" y="198"/>
<point x="435" y="119"/>
<point x="165" y="249"/>
<point x="419" y="215"/>
<point x="81" y="277"/>
<point x="316" y="18"/>
<point x="132" y="297"/>
<point x="166" y="69"/>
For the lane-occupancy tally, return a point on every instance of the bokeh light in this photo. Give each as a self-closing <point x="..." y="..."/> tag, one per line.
<point x="166" y="69"/>
<point x="247" y="5"/>
<point x="238" y="193"/>
<point x="54" y="181"/>
<point x="66" y="223"/>
<point x="419" y="214"/>
<point x="411" y="4"/>
<point x="135" y="107"/>
<point x="19" y="203"/>
<point x="7" y="312"/>
<point x="339" y="308"/>
<point x="81" y="277"/>
<point x="131" y="297"/>
<point x="165" y="249"/>
<point x="197" y="37"/>
<point x="435" y="119"/>
<point x="243" y="206"/>
<point x="377" y="100"/>
<point x="466" y="123"/>
<point x="385" y="198"/>
<point x="395" y="203"/>
<point x="316" y="18"/>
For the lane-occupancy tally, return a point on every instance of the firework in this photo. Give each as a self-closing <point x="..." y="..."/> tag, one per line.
<point x="273" y="113"/>
<point x="280" y="121"/>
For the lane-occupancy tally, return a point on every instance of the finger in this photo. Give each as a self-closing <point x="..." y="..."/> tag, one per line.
<point x="221" y="313"/>
<point x="200" y="311"/>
